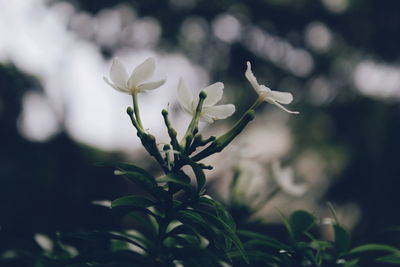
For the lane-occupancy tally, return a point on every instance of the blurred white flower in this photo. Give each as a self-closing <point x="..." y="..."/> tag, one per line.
<point x="44" y="242"/>
<point x="252" y="185"/>
<point x="274" y="97"/>
<point x="136" y="83"/>
<point x="284" y="177"/>
<point x="210" y="111"/>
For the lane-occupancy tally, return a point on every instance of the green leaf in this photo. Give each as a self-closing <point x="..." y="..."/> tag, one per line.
<point x="116" y="258"/>
<point x="256" y="238"/>
<point x="179" y="178"/>
<point x="132" y="201"/>
<point x="286" y="223"/>
<point x="228" y="231"/>
<point x="192" y="216"/>
<point x="198" y="172"/>
<point x="342" y="239"/>
<point x="185" y="230"/>
<point x="198" y="224"/>
<point x="195" y="256"/>
<point x="393" y="258"/>
<point x="374" y="247"/>
<point x="132" y="168"/>
<point x="139" y="177"/>
<point x="222" y="214"/>
<point x="263" y="243"/>
<point x="300" y="221"/>
<point x="256" y="256"/>
<point x="351" y="263"/>
<point x="185" y="240"/>
<point x="221" y="211"/>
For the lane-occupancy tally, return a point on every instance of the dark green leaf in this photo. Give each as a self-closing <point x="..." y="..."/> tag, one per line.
<point x="256" y="256"/>
<point x="198" y="172"/>
<point x="194" y="256"/>
<point x="182" y="229"/>
<point x="374" y="247"/>
<point x="132" y="201"/>
<point x="186" y="240"/>
<point x="198" y="224"/>
<point x="393" y="258"/>
<point x="221" y="211"/>
<point x="226" y="230"/>
<point x="263" y="243"/>
<point x="117" y="258"/>
<point x="193" y="216"/>
<point x="300" y="221"/>
<point x="138" y="176"/>
<point x="179" y="178"/>
<point x="286" y="223"/>
<point x="222" y="214"/>
<point x="342" y="239"/>
<point x="263" y="239"/>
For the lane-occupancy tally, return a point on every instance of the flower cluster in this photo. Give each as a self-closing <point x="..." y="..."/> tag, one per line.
<point x="138" y="82"/>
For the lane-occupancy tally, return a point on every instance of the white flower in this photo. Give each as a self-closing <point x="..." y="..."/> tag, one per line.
<point x="274" y="97"/>
<point x="252" y="184"/>
<point x="136" y="83"/>
<point x="285" y="179"/>
<point x="210" y="111"/>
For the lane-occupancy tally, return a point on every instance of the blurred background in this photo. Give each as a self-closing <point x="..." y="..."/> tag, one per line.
<point x="62" y="126"/>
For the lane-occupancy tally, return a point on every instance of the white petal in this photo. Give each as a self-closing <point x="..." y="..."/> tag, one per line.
<point x="251" y="78"/>
<point x="281" y="97"/>
<point x="218" y="112"/>
<point x="124" y="90"/>
<point x="118" y="74"/>
<point x="142" y="72"/>
<point x="264" y="89"/>
<point x="206" y="118"/>
<point x="214" y="94"/>
<point x="151" y="85"/>
<point x="185" y="96"/>
<point x="296" y="189"/>
<point x="284" y="177"/>
<point x="272" y="101"/>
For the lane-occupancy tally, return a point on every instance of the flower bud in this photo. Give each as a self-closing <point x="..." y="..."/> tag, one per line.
<point x="166" y="147"/>
<point x="203" y="95"/>
<point x="172" y="132"/>
<point x="129" y="110"/>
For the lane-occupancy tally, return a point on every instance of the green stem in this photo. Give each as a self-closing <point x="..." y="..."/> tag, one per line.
<point x="221" y="142"/>
<point x="139" y="130"/>
<point x="136" y="109"/>
<point x="148" y="141"/>
<point x="195" y="120"/>
<point x="172" y="134"/>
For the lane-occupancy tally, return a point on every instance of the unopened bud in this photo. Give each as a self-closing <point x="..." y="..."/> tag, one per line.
<point x="164" y="112"/>
<point x="189" y="137"/>
<point x="212" y="138"/>
<point x="129" y="110"/>
<point x="166" y="147"/>
<point x="203" y="94"/>
<point x="172" y="132"/>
